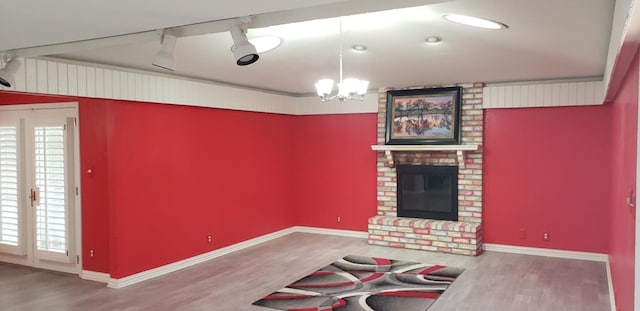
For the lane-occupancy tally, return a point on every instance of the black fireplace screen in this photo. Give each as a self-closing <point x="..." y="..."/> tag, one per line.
<point x="427" y="191"/>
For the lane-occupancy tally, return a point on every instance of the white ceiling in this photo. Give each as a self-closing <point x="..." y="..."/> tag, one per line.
<point x="546" y="39"/>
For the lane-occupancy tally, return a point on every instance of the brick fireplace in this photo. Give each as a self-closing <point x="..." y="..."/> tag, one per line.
<point x="463" y="236"/>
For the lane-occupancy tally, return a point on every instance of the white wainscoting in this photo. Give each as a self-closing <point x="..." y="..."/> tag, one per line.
<point x="60" y="77"/>
<point x="312" y="105"/>
<point x="70" y="78"/>
<point x="552" y="94"/>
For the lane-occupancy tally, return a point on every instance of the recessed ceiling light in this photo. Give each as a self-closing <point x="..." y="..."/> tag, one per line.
<point x="359" y="48"/>
<point x="433" y="40"/>
<point x="474" y="21"/>
<point x="265" y="44"/>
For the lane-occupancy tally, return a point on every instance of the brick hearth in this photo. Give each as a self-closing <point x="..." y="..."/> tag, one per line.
<point x="425" y="234"/>
<point x="460" y="237"/>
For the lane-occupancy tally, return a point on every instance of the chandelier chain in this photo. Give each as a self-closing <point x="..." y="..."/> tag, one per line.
<point x="349" y="89"/>
<point x="341" y="44"/>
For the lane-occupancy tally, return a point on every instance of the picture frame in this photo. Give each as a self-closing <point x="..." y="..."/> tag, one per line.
<point x="424" y="116"/>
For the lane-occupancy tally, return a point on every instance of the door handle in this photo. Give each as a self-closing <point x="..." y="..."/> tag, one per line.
<point x="33" y="196"/>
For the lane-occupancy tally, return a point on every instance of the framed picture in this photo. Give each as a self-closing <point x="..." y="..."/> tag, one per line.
<point x="424" y="116"/>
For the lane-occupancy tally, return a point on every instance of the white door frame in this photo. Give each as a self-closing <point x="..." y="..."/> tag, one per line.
<point x="76" y="180"/>
<point x="636" y="291"/>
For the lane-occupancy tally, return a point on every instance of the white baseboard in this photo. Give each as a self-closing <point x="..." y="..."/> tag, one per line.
<point x="546" y="252"/>
<point x="345" y="233"/>
<point x="612" y="297"/>
<point x="149" y="274"/>
<point x="559" y="254"/>
<point x="155" y="272"/>
<point x="162" y="270"/>
<point x="95" y="276"/>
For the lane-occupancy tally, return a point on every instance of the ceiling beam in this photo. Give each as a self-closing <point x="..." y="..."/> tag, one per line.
<point x="84" y="45"/>
<point x="344" y="8"/>
<point x="625" y="39"/>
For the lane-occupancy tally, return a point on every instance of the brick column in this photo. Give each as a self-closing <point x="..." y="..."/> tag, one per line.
<point x="469" y="187"/>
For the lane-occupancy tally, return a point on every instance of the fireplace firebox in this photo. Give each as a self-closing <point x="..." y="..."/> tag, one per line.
<point x="428" y="191"/>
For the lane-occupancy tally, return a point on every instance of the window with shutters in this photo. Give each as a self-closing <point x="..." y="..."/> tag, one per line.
<point x="50" y="185"/>
<point x="39" y="205"/>
<point x="9" y="186"/>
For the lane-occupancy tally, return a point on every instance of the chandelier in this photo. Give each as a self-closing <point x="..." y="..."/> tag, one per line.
<point x="350" y="88"/>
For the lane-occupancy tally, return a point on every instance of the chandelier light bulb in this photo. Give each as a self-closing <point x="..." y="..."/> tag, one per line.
<point x="362" y="87"/>
<point x="350" y="88"/>
<point x="324" y="87"/>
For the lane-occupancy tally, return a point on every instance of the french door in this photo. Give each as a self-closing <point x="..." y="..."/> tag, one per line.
<point x="39" y="204"/>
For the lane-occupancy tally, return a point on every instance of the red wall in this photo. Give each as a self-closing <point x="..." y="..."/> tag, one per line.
<point x="335" y="171"/>
<point x="164" y="177"/>
<point x="95" y="199"/>
<point x="181" y="173"/>
<point x="624" y="139"/>
<point x="547" y="170"/>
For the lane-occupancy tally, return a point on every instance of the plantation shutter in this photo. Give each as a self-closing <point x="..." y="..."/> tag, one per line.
<point x="38" y="188"/>
<point x="10" y="229"/>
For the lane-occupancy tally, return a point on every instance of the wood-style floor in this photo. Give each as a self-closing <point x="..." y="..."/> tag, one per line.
<point x="491" y="282"/>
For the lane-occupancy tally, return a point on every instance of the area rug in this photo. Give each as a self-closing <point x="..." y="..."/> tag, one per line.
<point x="356" y="283"/>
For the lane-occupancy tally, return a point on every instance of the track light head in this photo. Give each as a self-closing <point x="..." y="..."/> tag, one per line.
<point x="244" y="52"/>
<point x="8" y="73"/>
<point x="164" y="58"/>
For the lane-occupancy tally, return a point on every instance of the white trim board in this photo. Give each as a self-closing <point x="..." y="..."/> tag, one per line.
<point x="149" y="274"/>
<point x="559" y="254"/>
<point x="61" y="77"/>
<point x="636" y="259"/>
<point x="546" y="252"/>
<point x="345" y="233"/>
<point x="71" y="78"/>
<point x="95" y="276"/>
<point x="612" y="297"/>
<point x="312" y="105"/>
<point x="162" y="270"/>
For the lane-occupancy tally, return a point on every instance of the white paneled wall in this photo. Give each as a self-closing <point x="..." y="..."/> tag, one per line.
<point x="60" y="78"/>
<point x="544" y="95"/>
<point x="57" y="77"/>
<point x="313" y="105"/>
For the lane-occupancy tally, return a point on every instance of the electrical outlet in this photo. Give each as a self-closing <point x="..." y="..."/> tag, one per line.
<point x="209" y="238"/>
<point x="91" y="254"/>
<point x="339" y="219"/>
<point x="545" y="236"/>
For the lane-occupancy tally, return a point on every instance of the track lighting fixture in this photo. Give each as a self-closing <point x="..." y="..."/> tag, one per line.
<point x="164" y="58"/>
<point x="244" y="52"/>
<point x="8" y="73"/>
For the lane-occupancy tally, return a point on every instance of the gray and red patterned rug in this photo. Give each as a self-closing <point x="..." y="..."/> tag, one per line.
<point x="356" y="283"/>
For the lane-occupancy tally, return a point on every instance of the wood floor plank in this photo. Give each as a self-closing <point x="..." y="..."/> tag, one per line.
<point x="493" y="281"/>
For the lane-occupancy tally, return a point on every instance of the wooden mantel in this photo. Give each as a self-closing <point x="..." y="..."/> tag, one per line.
<point x="459" y="149"/>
